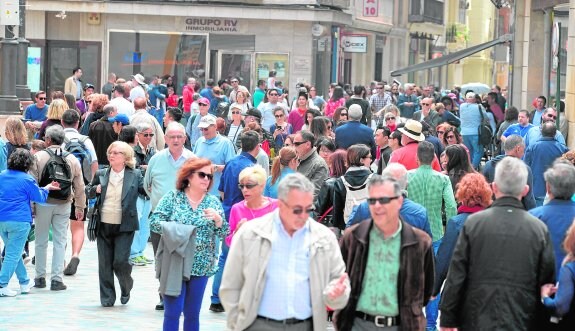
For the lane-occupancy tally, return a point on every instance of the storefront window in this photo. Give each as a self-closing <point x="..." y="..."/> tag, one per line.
<point x="266" y="62"/>
<point x="178" y="55"/>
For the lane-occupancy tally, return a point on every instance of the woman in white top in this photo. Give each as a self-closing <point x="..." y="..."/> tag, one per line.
<point x="242" y="103"/>
<point x="236" y="124"/>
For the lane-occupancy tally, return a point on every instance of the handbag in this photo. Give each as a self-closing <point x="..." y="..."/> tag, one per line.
<point x="93" y="223"/>
<point x="484" y="131"/>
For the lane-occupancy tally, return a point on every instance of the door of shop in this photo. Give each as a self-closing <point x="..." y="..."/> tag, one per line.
<point x="63" y="56"/>
<point x="236" y="64"/>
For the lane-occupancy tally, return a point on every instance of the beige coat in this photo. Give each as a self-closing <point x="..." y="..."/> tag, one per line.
<point x="70" y="86"/>
<point x="243" y="280"/>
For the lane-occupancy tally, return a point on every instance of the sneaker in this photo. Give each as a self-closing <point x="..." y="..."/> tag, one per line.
<point x="40" y="282"/>
<point x="25" y="289"/>
<point x="72" y="266"/>
<point x="137" y="261"/>
<point x="160" y="305"/>
<point x="57" y="286"/>
<point x="6" y="292"/>
<point x="217" y="308"/>
<point x="145" y="259"/>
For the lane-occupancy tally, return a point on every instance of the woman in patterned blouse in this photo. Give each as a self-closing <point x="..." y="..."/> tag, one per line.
<point x="190" y="204"/>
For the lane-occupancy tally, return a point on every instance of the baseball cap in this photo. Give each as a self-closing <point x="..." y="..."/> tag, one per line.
<point x="205" y="101"/>
<point x="254" y="112"/>
<point x="122" y="118"/>
<point x="87" y="86"/>
<point x="206" y="121"/>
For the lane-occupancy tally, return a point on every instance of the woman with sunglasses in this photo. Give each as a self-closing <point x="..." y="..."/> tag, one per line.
<point x="440" y="131"/>
<point x="242" y="103"/>
<point x="190" y="204"/>
<point x="280" y="129"/>
<point x="117" y="189"/>
<point x="340" y="116"/>
<point x="452" y="137"/>
<point x="457" y="164"/>
<point x="236" y="125"/>
<point x="298" y="117"/>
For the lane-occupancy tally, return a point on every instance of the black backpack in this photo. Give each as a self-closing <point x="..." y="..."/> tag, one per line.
<point x="57" y="169"/>
<point x="484" y="131"/>
<point x="77" y="147"/>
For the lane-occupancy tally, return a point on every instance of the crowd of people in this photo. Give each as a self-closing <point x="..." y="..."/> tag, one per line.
<point x="374" y="207"/>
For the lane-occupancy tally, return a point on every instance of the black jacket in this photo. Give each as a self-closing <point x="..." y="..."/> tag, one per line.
<point x="133" y="186"/>
<point x="102" y="135"/>
<point x="502" y="257"/>
<point x="357" y="178"/>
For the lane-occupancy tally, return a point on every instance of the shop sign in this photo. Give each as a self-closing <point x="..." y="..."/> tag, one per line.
<point x="354" y="44"/>
<point x="317" y="30"/>
<point x="34" y="68"/>
<point x="212" y="25"/>
<point x="323" y="44"/>
<point x="266" y="62"/>
<point x="370" y="8"/>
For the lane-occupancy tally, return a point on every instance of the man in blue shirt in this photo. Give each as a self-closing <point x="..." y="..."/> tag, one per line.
<point x="411" y="212"/>
<point x="559" y="212"/>
<point x="206" y="92"/>
<point x="231" y="195"/>
<point x="35" y="113"/>
<point x="521" y="128"/>
<point x="407" y="102"/>
<point x="540" y="155"/>
<point x="534" y="134"/>
<point x="537" y="113"/>
<point x="215" y="148"/>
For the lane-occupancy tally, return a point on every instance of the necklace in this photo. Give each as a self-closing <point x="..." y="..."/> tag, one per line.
<point x="263" y="203"/>
<point x="195" y="202"/>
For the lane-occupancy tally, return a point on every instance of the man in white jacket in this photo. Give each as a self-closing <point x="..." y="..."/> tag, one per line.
<point x="284" y="268"/>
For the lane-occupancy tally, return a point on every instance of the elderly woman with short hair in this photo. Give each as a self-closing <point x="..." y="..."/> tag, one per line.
<point x="17" y="190"/>
<point x="54" y="116"/>
<point x="117" y="189"/>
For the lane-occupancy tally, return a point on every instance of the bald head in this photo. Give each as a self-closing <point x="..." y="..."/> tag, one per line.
<point x="140" y="103"/>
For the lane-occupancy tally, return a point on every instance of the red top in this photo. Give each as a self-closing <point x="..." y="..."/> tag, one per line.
<point x="407" y="155"/>
<point x="172" y="100"/>
<point x="188" y="98"/>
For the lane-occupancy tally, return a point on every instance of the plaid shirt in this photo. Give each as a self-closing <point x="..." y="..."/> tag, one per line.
<point x="377" y="102"/>
<point x="432" y="189"/>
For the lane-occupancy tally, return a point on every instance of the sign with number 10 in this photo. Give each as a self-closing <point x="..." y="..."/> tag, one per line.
<point x="370" y="8"/>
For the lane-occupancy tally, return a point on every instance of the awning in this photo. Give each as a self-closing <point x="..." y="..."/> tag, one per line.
<point x="453" y="57"/>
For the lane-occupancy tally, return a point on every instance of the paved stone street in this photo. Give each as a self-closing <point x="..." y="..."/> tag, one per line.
<point x="78" y="307"/>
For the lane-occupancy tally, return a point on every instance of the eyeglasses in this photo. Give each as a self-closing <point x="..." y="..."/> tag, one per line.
<point x="146" y="135"/>
<point x="297" y="143"/>
<point x="114" y="153"/>
<point x="88" y="102"/>
<point x="390" y="118"/>
<point x="382" y="200"/>
<point x="379" y="88"/>
<point x="425" y="104"/>
<point x="248" y="186"/>
<point x="551" y="116"/>
<point x="203" y="104"/>
<point x="343" y="114"/>
<point x="204" y="129"/>
<point x="203" y="175"/>
<point x="41" y="98"/>
<point x="280" y="115"/>
<point x="273" y="94"/>
<point x="299" y="210"/>
<point x="236" y="112"/>
<point x="234" y="81"/>
<point x="450" y="137"/>
<point x="440" y="132"/>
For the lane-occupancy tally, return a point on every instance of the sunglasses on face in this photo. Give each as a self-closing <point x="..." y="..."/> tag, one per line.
<point x="204" y="129"/>
<point x="426" y="104"/>
<point x="440" y="132"/>
<point x="234" y="81"/>
<point x="382" y="200"/>
<point x="299" y="210"/>
<point x="390" y="118"/>
<point x="551" y="116"/>
<point x="146" y="135"/>
<point x="236" y="112"/>
<point x="203" y="104"/>
<point x="343" y="114"/>
<point x="450" y="137"/>
<point x="248" y="186"/>
<point x="297" y="143"/>
<point x="41" y="98"/>
<point x="203" y="175"/>
<point x="273" y="94"/>
<point x="280" y="115"/>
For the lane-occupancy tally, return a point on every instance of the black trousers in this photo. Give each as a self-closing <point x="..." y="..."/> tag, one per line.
<point x="113" y="258"/>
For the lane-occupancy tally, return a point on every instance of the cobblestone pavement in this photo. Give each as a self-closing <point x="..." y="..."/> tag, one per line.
<point x="78" y="307"/>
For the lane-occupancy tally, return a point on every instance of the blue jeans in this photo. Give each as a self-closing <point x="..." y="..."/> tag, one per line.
<point x="218" y="277"/>
<point x="141" y="236"/>
<point x="14" y="236"/>
<point x="475" y="150"/>
<point x="158" y="113"/>
<point x="432" y="308"/>
<point x="539" y="201"/>
<point x="189" y="301"/>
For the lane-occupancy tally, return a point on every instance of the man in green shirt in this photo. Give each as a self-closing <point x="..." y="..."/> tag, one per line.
<point x="259" y="93"/>
<point x="433" y="191"/>
<point x="390" y="265"/>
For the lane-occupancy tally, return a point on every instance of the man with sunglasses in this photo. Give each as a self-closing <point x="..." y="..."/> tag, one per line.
<point x="427" y="113"/>
<point x="141" y="115"/>
<point x="299" y="265"/>
<point x="390" y="264"/>
<point x="35" y="113"/>
<point x="267" y="109"/>
<point x="192" y="129"/>
<point x="83" y="104"/>
<point x="311" y="165"/>
<point x="407" y="101"/>
<point x="534" y="134"/>
<point x="379" y="100"/>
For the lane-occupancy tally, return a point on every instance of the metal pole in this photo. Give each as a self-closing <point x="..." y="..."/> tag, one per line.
<point x="22" y="89"/>
<point x="511" y="53"/>
<point x="558" y="91"/>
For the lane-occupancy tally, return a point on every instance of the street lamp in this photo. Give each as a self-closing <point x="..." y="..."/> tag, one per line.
<point x="22" y="89"/>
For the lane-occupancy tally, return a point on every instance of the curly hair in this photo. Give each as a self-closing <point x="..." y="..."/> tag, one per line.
<point x="473" y="190"/>
<point x="189" y="167"/>
<point x="98" y="102"/>
<point x="20" y="160"/>
<point x="569" y="156"/>
<point x="15" y="131"/>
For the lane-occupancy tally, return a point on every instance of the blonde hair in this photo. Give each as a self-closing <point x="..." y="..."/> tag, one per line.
<point x="15" y="131"/>
<point x="255" y="173"/>
<point x="56" y="109"/>
<point x="126" y="150"/>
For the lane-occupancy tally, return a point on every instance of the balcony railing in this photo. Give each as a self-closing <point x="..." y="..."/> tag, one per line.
<point x="422" y="11"/>
<point x="340" y="4"/>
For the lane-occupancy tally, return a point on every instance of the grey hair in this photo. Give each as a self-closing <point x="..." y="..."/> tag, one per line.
<point x="561" y="180"/>
<point x="377" y="180"/>
<point x="108" y="109"/>
<point x="510" y="176"/>
<point x="407" y="85"/>
<point x="176" y="127"/>
<point x="56" y="134"/>
<point x="143" y="126"/>
<point x="512" y="142"/>
<point x="398" y="172"/>
<point x="295" y="181"/>
<point x="354" y="113"/>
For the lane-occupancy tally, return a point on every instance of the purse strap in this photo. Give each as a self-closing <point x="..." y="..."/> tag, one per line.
<point x="324" y="215"/>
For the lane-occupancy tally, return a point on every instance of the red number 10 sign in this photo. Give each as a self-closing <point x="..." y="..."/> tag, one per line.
<point x="370" y="8"/>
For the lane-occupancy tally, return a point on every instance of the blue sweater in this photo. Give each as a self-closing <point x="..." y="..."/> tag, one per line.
<point x="558" y="216"/>
<point x="411" y="212"/>
<point x="17" y="190"/>
<point x="561" y="304"/>
<point x="470" y="118"/>
<point x="539" y="156"/>
<point x="272" y="190"/>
